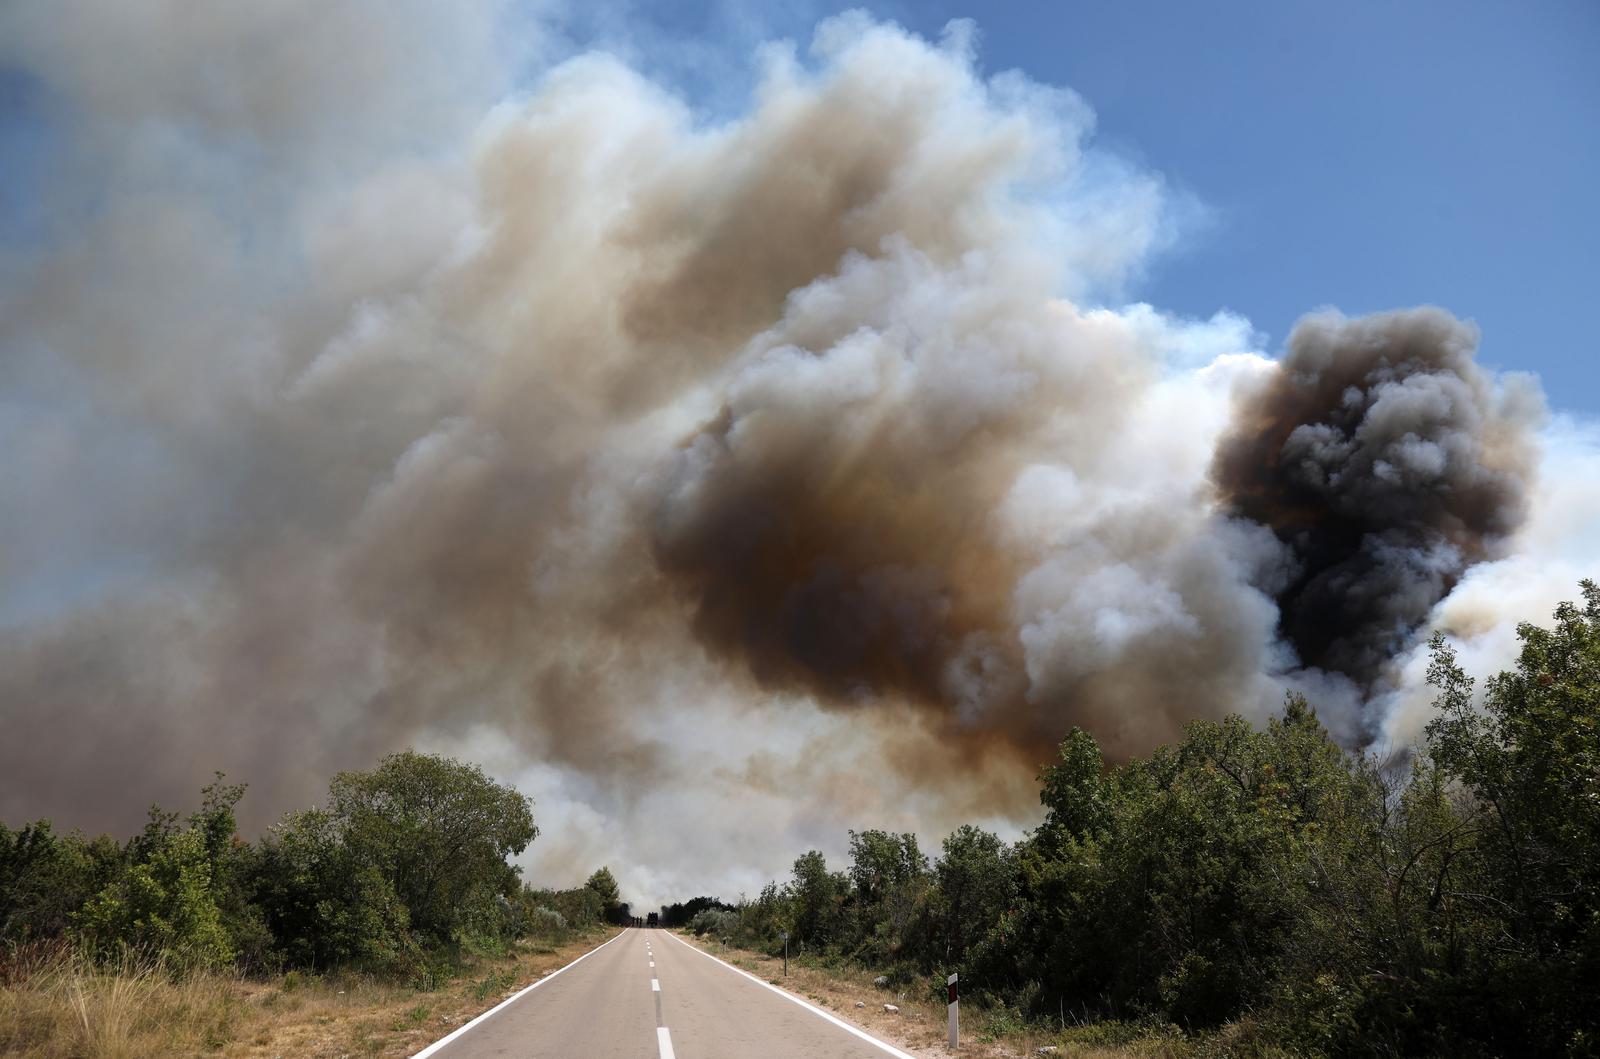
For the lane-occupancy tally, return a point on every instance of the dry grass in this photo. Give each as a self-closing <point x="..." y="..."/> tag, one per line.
<point x="54" y="1005"/>
<point x="61" y="1005"/>
<point x="920" y="1027"/>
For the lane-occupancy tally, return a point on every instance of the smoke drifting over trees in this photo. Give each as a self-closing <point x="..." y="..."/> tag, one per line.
<point x="379" y="403"/>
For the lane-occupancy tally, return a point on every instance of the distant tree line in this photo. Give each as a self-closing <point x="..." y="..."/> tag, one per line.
<point x="681" y="913"/>
<point x="1314" y="900"/>
<point x="403" y="869"/>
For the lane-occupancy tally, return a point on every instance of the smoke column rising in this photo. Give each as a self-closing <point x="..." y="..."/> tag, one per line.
<point x="789" y="472"/>
<point x="1388" y="462"/>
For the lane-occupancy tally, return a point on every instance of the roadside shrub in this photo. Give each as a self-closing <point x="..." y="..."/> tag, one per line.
<point x="439" y="831"/>
<point x="163" y="906"/>
<point x="546" y="922"/>
<point x="714" y="921"/>
<point x="325" y="907"/>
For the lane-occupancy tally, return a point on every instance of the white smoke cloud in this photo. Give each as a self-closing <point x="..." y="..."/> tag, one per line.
<point x="724" y="484"/>
<point x="1555" y="549"/>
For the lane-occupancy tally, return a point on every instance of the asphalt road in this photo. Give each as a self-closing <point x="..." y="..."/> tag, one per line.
<point x="647" y="995"/>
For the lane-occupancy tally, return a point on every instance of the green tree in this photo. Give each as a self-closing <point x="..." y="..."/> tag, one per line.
<point x="45" y="877"/>
<point x="324" y="905"/>
<point x="976" y="885"/>
<point x="604" y="885"/>
<point x="580" y="906"/>
<point x="1171" y="884"/>
<point x="163" y="904"/>
<point x="817" y="895"/>
<point x="440" y="832"/>
<point x="1530" y="757"/>
<point x="232" y="863"/>
<point x="889" y="888"/>
<point x="881" y="861"/>
<point x="1212" y="853"/>
<point x="1074" y="792"/>
<point x="762" y="922"/>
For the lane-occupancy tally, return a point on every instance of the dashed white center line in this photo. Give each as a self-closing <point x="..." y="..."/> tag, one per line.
<point x="664" y="1042"/>
<point x="655" y="985"/>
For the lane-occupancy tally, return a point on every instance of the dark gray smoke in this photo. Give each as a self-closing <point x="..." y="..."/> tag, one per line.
<point x="1386" y="460"/>
<point x="780" y="471"/>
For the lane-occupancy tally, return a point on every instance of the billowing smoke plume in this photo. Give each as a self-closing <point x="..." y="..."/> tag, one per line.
<point x="778" y="471"/>
<point x="937" y="485"/>
<point x="1388" y="462"/>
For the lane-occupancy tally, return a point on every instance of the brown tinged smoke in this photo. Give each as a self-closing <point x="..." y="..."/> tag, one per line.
<point x="839" y="528"/>
<point x="834" y="554"/>
<point x="1388" y="463"/>
<point x="848" y="549"/>
<point x="612" y="445"/>
<point x="838" y="586"/>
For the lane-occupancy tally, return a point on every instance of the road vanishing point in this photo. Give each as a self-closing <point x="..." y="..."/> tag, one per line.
<point x="647" y="994"/>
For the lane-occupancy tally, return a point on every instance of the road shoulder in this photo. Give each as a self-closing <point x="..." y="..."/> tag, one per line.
<point x="886" y="1031"/>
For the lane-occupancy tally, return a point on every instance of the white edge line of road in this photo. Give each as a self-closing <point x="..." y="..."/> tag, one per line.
<point x="841" y="1023"/>
<point x="508" y="1001"/>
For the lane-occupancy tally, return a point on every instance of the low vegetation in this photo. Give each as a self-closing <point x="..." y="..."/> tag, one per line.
<point x="1260" y="891"/>
<point x="63" y="1004"/>
<point x="1242" y="892"/>
<point x="178" y="939"/>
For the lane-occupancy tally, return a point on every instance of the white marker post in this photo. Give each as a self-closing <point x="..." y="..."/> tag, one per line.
<point x="955" y="1012"/>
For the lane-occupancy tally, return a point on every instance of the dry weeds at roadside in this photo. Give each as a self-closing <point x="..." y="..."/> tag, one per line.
<point x="62" y="1005"/>
<point x="920" y="1026"/>
<point x="57" y="1006"/>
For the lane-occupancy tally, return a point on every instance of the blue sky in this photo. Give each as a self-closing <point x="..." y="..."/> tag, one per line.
<point x="1363" y="154"/>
